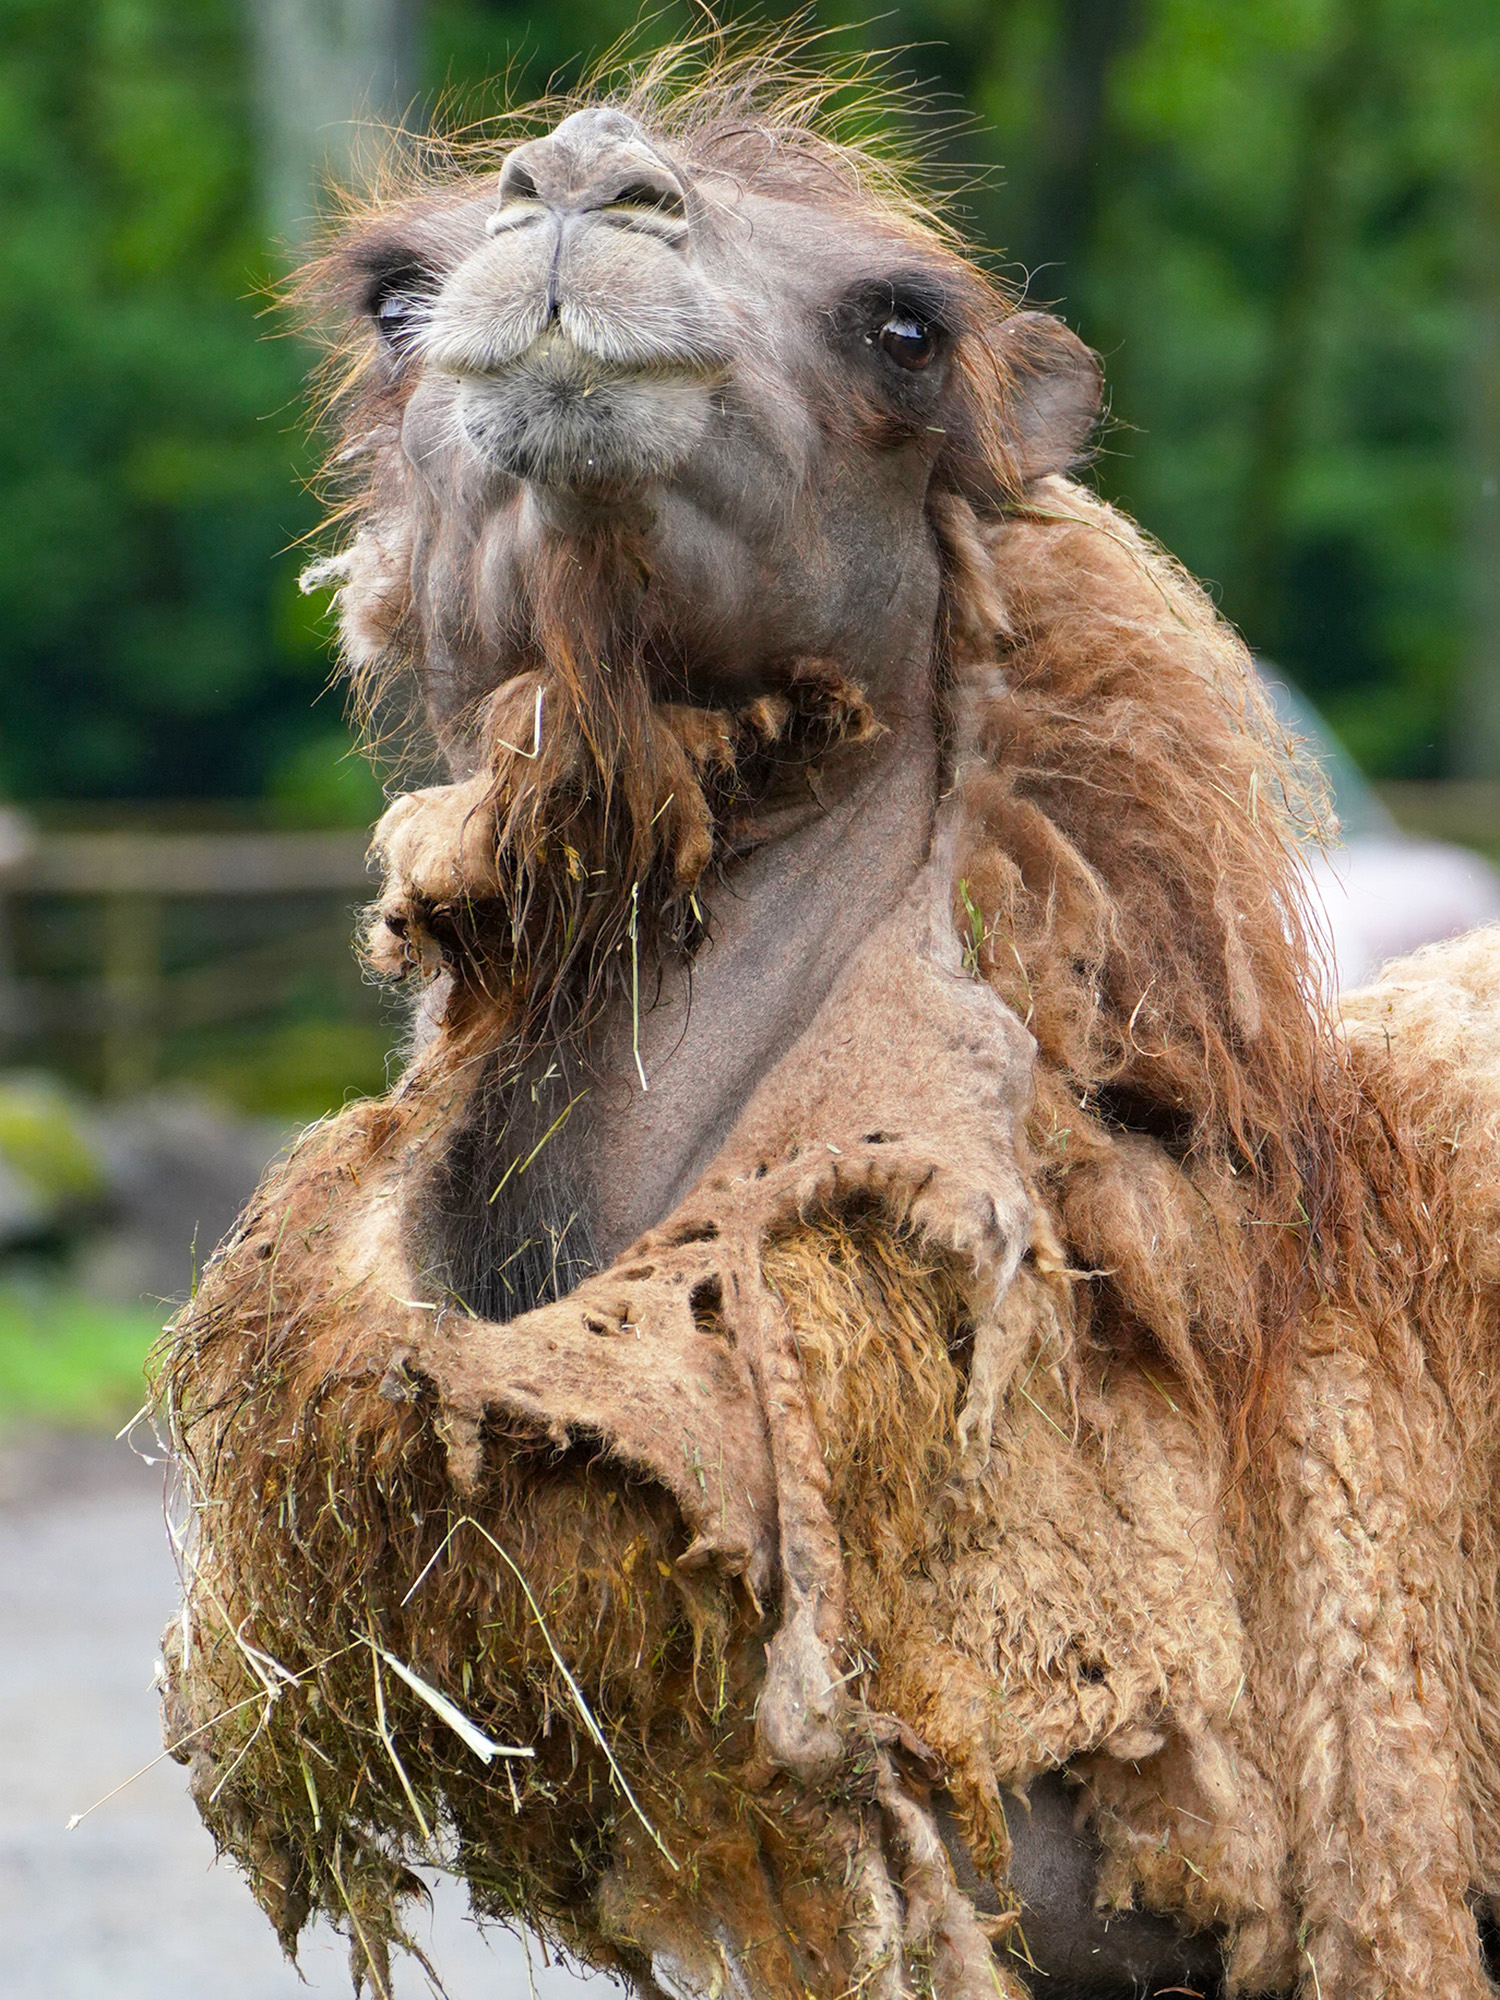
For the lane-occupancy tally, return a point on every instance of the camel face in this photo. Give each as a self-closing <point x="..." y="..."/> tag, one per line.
<point x="744" y="387"/>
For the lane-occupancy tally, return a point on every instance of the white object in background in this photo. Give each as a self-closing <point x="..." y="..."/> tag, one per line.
<point x="1383" y="892"/>
<point x="15" y="839"/>
<point x="1386" y="894"/>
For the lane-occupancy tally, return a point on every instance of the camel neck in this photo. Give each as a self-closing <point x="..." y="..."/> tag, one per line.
<point x="831" y="809"/>
<point x="783" y="920"/>
<point x="614" y="1129"/>
<point x="813" y="800"/>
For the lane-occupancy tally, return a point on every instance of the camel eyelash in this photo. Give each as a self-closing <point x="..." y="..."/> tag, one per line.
<point x="908" y="320"/>
<point x="396" y="300"/>
<point x="395" y="272"/>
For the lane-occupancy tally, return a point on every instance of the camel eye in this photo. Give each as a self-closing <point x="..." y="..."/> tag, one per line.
<point x="909" y="341"/>
<point x="397" y="316"/>
<point x="398" y="305"/>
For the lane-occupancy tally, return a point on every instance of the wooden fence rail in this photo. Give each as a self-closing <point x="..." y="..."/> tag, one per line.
<point x="123" y="862"/>
<point x="134" y="875"/>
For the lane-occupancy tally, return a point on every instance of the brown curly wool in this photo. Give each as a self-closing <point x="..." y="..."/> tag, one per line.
<point x="1261" y="1660"/>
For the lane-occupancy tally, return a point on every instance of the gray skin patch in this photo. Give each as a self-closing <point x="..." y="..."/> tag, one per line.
<point x="508" y="1219"/>
<point x="1079" y="1952"/>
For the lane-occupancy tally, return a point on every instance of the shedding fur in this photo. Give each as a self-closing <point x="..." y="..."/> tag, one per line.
<point x="1079" y="1355"/>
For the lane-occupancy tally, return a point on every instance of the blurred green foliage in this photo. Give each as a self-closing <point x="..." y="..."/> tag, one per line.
<point x="1267" y="216"/>
<point x="51" y="1159"/>
<point x="308" y="1061"/>
<point x="70" y="1360"/>
<point x="148" y="430"/>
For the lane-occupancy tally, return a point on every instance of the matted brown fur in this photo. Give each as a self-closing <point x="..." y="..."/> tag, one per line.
<point x="1226" y="1541"/>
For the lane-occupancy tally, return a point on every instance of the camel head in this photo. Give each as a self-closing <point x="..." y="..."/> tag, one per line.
<point x="678" y="393"/>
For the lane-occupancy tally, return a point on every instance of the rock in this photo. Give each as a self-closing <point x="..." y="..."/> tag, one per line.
<point x="133" y="1194"/>
<point x="53" y="1171"/>
<point x="180" y="1170"/>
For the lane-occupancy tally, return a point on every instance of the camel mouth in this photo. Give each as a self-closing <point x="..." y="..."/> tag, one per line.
<point x="566" y="415"/>
<point x="583" y="355"/>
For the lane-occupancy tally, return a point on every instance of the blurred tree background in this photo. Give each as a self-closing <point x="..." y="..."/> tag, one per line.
<point x="1279" y="221"/>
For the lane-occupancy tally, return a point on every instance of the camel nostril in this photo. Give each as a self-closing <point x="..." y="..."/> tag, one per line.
<point x="658" y="195"/>
<point x="520" y="199"/>
<point x="517" y="182"/>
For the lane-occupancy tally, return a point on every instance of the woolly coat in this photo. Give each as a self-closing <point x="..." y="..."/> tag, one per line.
<point x="1078" y="1356"/>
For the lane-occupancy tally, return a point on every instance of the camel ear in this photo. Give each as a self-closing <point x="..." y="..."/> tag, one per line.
<point x="1055" y="387"/>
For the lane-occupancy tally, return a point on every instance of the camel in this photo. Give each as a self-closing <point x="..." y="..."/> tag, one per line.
<point x="893" y="1401"/>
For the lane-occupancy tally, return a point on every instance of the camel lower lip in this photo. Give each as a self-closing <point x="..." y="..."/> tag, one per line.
<point x="584" y="428"/>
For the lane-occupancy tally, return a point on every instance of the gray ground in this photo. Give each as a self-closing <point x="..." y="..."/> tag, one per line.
<point x="131" y="1905"/>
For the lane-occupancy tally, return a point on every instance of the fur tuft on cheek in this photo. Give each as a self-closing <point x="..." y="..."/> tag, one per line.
<point x="373" y="602"/>
<point x="974" y="603"/>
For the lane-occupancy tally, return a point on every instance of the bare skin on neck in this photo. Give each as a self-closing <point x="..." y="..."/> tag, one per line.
<point x="830" y="861"/>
